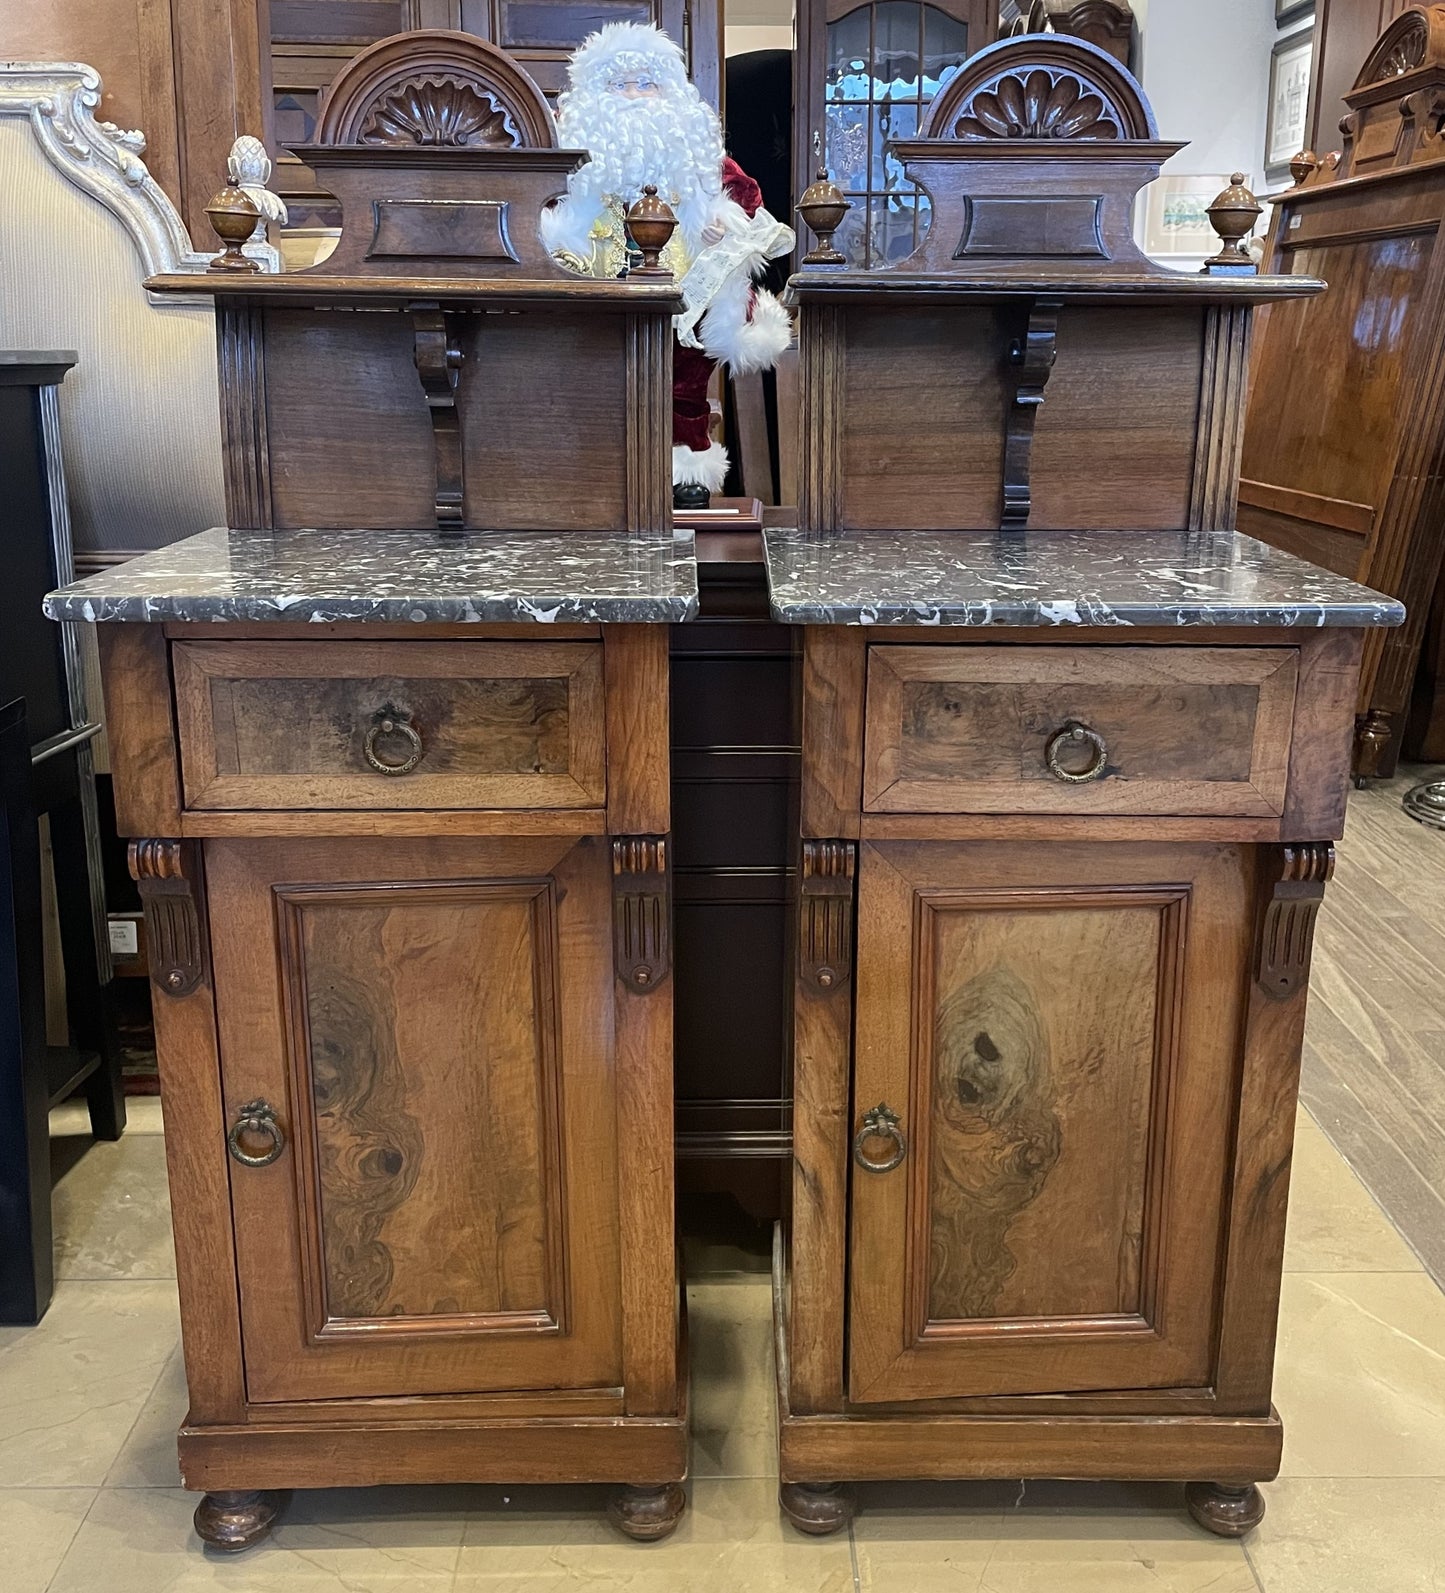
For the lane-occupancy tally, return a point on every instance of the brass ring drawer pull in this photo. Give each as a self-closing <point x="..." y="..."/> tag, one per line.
<point x="393" y="725"/>
<point x="1074" y="735"/>
<point x="256" y="1117"/>
<point x="880" y="1123"/>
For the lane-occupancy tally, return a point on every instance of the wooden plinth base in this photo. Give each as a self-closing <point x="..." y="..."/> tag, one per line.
<point x="860" y="1445"/>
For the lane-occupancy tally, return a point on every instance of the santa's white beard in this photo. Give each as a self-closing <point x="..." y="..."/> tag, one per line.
<point x="672" y="143"/>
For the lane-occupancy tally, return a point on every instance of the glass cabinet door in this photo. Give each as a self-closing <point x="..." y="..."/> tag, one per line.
<point x="873" y="71"/>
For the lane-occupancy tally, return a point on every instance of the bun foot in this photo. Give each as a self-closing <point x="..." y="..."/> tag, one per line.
<point x="816" y="1508"/>
<point x="234" y="1521"/>
<point x="647" y="1514"/>
<point x="1227" y="1510"/>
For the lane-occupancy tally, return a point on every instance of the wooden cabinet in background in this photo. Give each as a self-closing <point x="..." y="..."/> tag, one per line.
<point x="1344" y="455"/>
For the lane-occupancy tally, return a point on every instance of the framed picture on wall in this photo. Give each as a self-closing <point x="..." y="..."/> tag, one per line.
<point x="1289" y="96"/>
<point x="1176" y="220"/>
<point x="1287" y="11"/>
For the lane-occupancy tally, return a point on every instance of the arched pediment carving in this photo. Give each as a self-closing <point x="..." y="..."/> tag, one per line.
<point x="435" y="89"/>
<point x="1041" y="86"/>
<point x="1416" y="38"/>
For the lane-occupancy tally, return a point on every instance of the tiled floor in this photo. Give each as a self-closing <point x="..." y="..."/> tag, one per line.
<point x="89" y="1403"/>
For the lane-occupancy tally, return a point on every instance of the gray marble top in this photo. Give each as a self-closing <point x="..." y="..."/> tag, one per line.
<point x="1056" y="578"/>
<point x="396" y="576"/>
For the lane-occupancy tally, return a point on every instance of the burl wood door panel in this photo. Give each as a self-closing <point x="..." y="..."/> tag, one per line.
<point x="268" y="725"/>
<point x="432" y="1023"/>
<point x="1180" y="730"/>
<point x="1056" y="1029"/>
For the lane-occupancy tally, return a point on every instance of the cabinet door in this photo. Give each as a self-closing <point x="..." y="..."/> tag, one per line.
<point x="431" y="1022"/>
<point x="1056" y="1028"/>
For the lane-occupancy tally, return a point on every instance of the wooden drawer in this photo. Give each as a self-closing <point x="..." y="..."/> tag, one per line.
<point x="298" y="724"/>
<point x="1180" y="730"/>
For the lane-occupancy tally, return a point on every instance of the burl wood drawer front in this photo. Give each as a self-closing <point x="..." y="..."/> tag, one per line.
<point x="390" y="724"/>
<point x="1116" y="730"/>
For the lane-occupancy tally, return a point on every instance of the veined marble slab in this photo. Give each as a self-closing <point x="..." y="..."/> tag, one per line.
<point x="1056" y="578"/>
<point x="396" y="577"/>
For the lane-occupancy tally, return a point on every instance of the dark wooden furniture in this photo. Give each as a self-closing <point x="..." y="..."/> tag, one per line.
<point x="1344" y="457"/>
<point x="308" y="44"/>
<point x="1058" y="867"/>
<point x="1345" y="31"/>
<point x="407" y="884"/>
<point x="864" y="74"/>
<point x="1106" y="23"/>
<point x="41" y="664"/>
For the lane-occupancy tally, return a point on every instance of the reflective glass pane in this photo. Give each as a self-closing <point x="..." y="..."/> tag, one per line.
<point x="894" y="239"/>
<point x="851" y="238"/>
<point x="945" y="47"/>
<point x="847" y="153"/>
<point x="846" y="76"/>
<point x="896" y="40"/>
<point x="889" y="122"/>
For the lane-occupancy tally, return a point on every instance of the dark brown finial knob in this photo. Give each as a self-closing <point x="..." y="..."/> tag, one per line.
<point x="233" y="216"/>
<point x="1233" y="215"/>
<point x="823" y="207"/>
<point x="650" y="224"/>
<point x="1303" y="166"/>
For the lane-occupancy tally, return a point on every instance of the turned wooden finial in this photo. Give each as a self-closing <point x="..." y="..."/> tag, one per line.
<point x="1303" y="166"/>
<point x="823" y="207"/>
<point x="1233" y="215"/>
<point x="650" y="223"/>
<point x="233" y="216"/>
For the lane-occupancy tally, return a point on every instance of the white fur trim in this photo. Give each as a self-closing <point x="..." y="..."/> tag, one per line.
<point x="707" y="468"/>
<point x="566" y="227"/>
<point x="743" y="342"/>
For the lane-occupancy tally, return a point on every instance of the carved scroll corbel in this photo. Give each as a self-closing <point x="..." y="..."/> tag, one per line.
<point x="438" y="364"/>
<point x="1286" y="938"/>
<point x="1033" y="357"/>
<point x="641" y="911"/>
<point x="825" y="913"/>
<point x="165" y="873"/>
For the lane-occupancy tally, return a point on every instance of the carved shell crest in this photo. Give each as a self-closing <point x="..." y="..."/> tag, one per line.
<point x="1040" y="105"/>
<point x="1404" y="55"/>
<point x="440" y="112"/>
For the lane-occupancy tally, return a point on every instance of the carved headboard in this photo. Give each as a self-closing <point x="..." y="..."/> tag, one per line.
<point x="442" y="152"/>
<point x="1033" y="156"/>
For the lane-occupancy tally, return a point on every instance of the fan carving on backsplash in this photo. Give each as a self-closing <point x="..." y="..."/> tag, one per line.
<point x="440" y="111"/>
<point x="1040" y="104"/>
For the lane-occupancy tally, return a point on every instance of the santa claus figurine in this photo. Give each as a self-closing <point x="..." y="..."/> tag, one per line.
<point x="630" y="105"/>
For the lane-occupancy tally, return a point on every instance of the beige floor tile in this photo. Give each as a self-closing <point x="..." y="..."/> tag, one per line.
<point x="113" y="1212"/>
<point x="731" y="1540"/>
<point x="71" y="1388"/>
<point x="1334" y="1224"/>
<point x="1351" y="1535"/>
<point x="1039" y="1538"/>
<point x="36" y="1528"/>
<point x="142" y="1116"/>
<point x="1360" y="1375"/>
<point x="148" y="1458"/>
<point x="730" y="1333"/>
<point x="140" y="1540"/>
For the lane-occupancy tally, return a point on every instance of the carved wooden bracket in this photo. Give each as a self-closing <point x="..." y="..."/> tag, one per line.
<point x="438" y="364"/>
<point x="641" y="911"/>
<point x="825" y="913"/>
<point x="1033" y="356"/>
<point x="1287" y="936"/>
<point x="165" y="872"/>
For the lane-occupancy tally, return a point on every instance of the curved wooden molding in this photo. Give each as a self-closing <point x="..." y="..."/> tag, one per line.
<point x="434" y="88"/>
<point x="165" y="872"/>
<point x="58" y="99"/>
<point x="641" y="911"/>
<point x="1042" y="86"/>
<point x="1416" y="38"/>
<point x="825" y="913"/>
<point x="1286" y="939"/>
